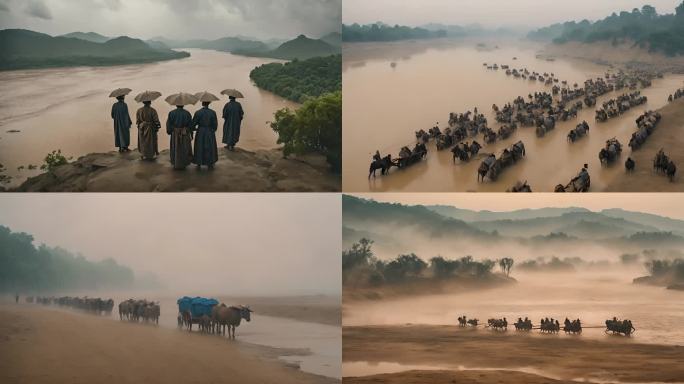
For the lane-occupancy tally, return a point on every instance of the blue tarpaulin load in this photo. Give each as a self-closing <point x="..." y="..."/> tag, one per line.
<point x="197" y="306"/>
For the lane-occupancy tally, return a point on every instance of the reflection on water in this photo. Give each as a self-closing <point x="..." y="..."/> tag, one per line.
<point x="384" y="106"/>
<point x="68" y="108"/>
<point x="323" y="342"/>
<point x="657" y="313"/>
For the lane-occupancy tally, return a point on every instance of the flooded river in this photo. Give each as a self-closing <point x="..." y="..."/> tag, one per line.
<point x="385" y="103"/>
<point x="68" y="108"/>
<point x="656" y="312"/>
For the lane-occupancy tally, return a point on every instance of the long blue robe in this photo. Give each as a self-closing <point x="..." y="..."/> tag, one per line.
<point x="232" y="114"/>
<point x="205" y="123"/>
<point x="122" y="124"/>
<point x="179" y="127"/>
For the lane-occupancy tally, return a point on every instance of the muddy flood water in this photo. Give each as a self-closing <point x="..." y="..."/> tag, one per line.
<point x="68" y="108"/>
<point x="592" y="297"/>
<point x="391" y="90"/>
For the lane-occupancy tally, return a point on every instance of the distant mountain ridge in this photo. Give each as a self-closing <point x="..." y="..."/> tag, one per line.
<point x="88" y="36"/>
<point x="526" y="223"/>
<point x="300" y="48"/>
<point x="28" y="49"/>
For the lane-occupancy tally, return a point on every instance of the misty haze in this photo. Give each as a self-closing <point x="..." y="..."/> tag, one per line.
<point x="414" y="265"/>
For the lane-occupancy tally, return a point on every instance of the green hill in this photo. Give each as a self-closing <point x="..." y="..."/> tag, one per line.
<point x="643" y="27"/>
<point x="302" y="48"/>
<point x="299" y="80"/>
<point x="27" y="49"/>
<point x="88" y="36"/>
<point x="333" y="38"/>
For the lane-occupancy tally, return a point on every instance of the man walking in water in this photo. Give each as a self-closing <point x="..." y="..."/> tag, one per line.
<point x="232" y="115"/>
<point x="16" y="298"/>
<point x="122" y="125"/>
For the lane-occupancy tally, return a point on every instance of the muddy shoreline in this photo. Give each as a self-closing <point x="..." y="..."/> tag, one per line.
<point x="565" y="358"/>
<point x="668" y="135"/>
<point x="34" y="342"/>
<point x="238" y="171"/>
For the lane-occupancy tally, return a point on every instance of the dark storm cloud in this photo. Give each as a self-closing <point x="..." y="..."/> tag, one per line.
<point x="176" y="19"/>
<point x="37" y="8"/>
<point x="323" y="12"/>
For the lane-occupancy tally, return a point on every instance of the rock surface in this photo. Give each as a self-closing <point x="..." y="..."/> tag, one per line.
<point x="237" y="171"/>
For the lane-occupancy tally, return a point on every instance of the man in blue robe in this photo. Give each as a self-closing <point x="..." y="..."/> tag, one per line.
<point x="205" y="123"/>
<point x="179" y="127"/>
<point x="122" y="125"/>
<point x="232" y="114"/>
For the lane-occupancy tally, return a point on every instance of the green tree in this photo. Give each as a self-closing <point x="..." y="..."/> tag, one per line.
<point x="315" y="127"/>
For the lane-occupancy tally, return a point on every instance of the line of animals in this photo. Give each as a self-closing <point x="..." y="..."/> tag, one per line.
<point x="221" y="317"/>
<point x="94" y="305"/>
<point x="616" y="107"/>
<point x="541" y="112"/>
<point x="676" y="95"/>
<point x="139" y="310"/>
<point x="550" y="325"/>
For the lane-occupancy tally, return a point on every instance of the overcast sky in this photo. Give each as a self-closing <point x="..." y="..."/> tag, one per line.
<point x="241" y="244"/>
<point x="489" y="13"/>
<point x="178" y="19"/>
<point x="664" y="204"/>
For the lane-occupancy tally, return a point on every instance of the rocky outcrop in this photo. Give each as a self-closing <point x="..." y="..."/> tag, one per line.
<point x="237" y="171"/>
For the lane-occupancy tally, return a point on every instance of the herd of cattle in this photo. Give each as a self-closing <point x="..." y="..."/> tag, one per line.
<point x="541" y="110"/>
<point x="220" y="318"/>
<point x="215" y="319"/>
<point x="550" y="325"/>
<point x="93" y="305"/>
<point x="139" y="310"/>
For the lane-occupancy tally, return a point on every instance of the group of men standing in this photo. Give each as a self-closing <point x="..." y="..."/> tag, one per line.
<point x="181" y="127"/>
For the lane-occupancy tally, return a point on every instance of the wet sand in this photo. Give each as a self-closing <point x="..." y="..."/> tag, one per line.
<point x="454" y="377"/>
<point x="41" y="345"/>
<point x="239" y="171"/>
<point x="669" y="135"/>
<point x="452" y="348"/>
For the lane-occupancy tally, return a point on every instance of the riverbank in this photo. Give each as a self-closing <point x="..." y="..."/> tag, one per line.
<point x="425" y="287"/>
<point x="453" y="349"/>
<point x="238" y="171"/>
<point x="318" y="309"/>
<point x="669" y="135"/>
<point x="625" y="54"/>
<point x="53" y="346"/>
<point x="454" y="377"/>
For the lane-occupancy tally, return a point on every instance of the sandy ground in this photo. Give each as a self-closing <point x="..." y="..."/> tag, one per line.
<point x="669" y="135"/>
<point x="620" y="359"/>
<point x="606" y="53"/>
<point x="313" y="309"/>
<point x="239" y="171"/>
<point x="455" y="377"/>
<point x="41" y="345"/>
